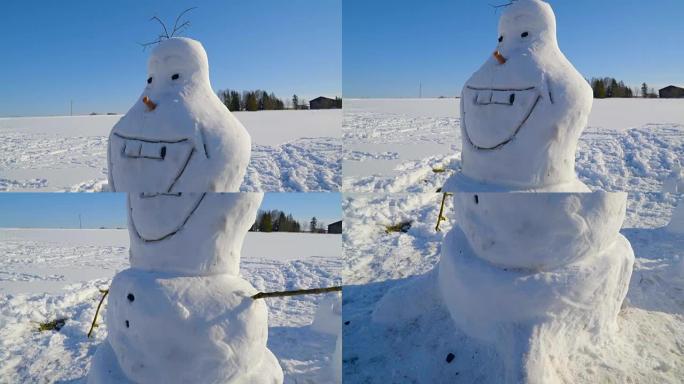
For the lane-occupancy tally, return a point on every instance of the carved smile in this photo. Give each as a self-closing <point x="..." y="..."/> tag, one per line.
<point x="167" y="233"/>
<point x="490" y="110"/>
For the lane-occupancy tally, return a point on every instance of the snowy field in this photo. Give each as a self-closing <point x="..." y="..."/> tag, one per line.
<point x="46" y="274"/>
<point x="291" y="151"/>
<point x="413" y="145"/>
<point x="650" y="343"/>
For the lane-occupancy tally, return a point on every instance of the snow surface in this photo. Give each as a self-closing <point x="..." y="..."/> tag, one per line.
<point x="51" y="273"/>
<point x="648" y="348"/>
<point x="291" y="151"/>
<point x="413" y="145"/>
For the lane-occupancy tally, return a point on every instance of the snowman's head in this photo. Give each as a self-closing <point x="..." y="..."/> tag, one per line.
<point x="524" y="109"/>
<point x="175" y="65"/>
<point x="190" y="233"/>
<point x="178" y="136"/>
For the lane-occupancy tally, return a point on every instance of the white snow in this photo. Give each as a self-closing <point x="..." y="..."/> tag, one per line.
<point x="646" y="349"/>
<point x="291" y="151"/>
<point x="49" y="273"/>
<point x="394" y="145"/>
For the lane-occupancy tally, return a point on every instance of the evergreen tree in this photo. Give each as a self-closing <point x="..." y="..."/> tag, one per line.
<point x="266" y="223"/>
<point x="295" y="101"/>
<point x="234" y="101"/>
<point x="312" y="224"/>
<point x="644" y="90"/>
<point x="251" y="102"/>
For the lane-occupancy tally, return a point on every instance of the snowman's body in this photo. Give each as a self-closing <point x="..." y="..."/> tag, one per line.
<point x="181" y="313"/>
<point x="535" y="274"/>
<point x="181" y="138"/>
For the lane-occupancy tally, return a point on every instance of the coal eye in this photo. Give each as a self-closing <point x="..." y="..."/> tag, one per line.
<point x="524" y="34"/>
<point x="149" y="80"/>
<point x="500" y="39"/>
<point x="175" y="76"/>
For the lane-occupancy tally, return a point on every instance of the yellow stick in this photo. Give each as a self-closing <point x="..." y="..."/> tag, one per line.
<point x="441" y="217"/>
<point x="105" y="291"/>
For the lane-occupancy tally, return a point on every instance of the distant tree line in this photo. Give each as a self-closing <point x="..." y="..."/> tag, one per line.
<point x="257" y="100"/>
<point x="608" y="87"/>
<point x="278" y="221"/>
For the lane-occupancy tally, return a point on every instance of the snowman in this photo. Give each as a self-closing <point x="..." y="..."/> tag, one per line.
<point x="178" y="137"/>
<point x="536" y="275"/>
<point x="523" y="111"/>
<point x="181" y="313"/>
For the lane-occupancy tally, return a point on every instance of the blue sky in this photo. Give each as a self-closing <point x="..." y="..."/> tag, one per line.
<point x="390" y="46"/>
<point x="61" y="210"/>
<point x="56" y="51"/>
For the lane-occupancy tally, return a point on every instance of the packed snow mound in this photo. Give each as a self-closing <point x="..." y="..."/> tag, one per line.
<point x="674" y="183"/>
<point x="676" y="224"/>
<point x="328" y="317"/>
<point x="539" y="231"/>
<point x="209" y="328"/>
<point x="192" y="233"/>
<point x="328" y="320"/>
<point x="523" y="111"/>
<point x="178" y="137"/>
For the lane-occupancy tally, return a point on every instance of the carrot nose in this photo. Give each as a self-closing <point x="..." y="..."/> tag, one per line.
<point x="150" y="104"/>
<point x="499" y="57"/>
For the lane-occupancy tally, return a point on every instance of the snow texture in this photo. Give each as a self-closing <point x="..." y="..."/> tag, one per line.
<point x="629" y="144"/>
<point x="56" y="273"/>
<point x="182" y="139"/>
<point x="291" y="151"/>
<point x="410" y="338"/>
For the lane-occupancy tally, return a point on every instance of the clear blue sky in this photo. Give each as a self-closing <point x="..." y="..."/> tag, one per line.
<point x="60" y="210"/>
<point x="55" y="51"/>
<point x="390" y="46"/>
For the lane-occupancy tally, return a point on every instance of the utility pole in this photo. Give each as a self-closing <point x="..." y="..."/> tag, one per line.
<point x="420" y="90"/>
<point x="71" y="108"/>
<point x="80" y="224"/>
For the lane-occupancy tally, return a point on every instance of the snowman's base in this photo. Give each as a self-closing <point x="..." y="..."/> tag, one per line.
<point x="535" y="319"/>
<point x="105" y="369"/>
<point x="165" y="328"/>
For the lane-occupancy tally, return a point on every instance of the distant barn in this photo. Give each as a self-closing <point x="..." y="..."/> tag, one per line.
<point x="335" y="227"/>
<point x="671" y="92"/>
<point x="324" y="103"/>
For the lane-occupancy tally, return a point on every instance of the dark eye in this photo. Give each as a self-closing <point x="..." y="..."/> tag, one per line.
<point x="500" y="39"/>
<point x="149" y="80"/>
<point x="524" y="34"/>
<point x="175" y="77"/>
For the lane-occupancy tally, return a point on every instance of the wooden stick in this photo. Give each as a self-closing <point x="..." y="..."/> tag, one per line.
<point x="105" y="291"/>
<point x="297" y="292"/>
<point x="441" y="217"/>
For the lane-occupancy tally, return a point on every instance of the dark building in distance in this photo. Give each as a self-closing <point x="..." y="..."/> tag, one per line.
<point x="671" y="92"/>
<point x="335" y="227"/>
<point x="325" y="103"/>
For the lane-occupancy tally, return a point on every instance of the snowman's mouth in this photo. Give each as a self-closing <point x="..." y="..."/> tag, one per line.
<point x="147" y="214"/>
<point x="149" y="164"/>
<point x="492" y="117"/>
